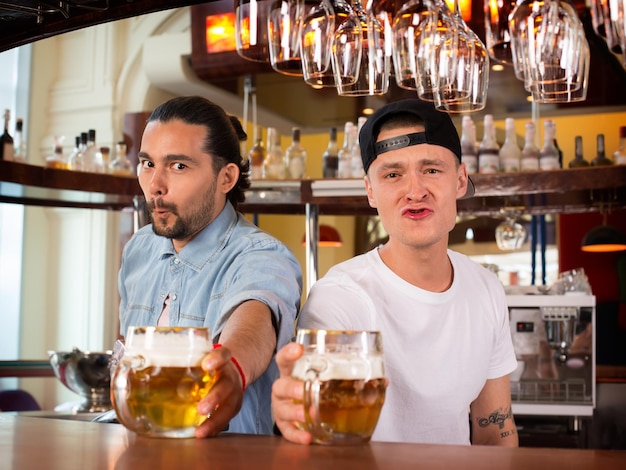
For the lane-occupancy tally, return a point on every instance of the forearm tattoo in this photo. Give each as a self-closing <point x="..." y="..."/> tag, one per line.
<point x="498" y="418"/>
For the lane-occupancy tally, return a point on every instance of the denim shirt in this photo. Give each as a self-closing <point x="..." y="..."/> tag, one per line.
<point x="227" y="263"/>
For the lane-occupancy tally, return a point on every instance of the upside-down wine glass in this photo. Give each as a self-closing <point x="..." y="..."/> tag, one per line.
<point x="472" y="72"/>
<point x="284" y="25"/>
<point x="373" y="74"/>
<point x="330" y="28"/>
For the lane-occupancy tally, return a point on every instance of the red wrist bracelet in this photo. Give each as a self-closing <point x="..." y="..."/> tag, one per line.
<point x="237" y="365"/>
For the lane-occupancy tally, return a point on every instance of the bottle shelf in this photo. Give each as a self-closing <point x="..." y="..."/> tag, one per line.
<point x="539" y="192"/>
<point x="534" y="192"/>
<point x="35" y="185"/>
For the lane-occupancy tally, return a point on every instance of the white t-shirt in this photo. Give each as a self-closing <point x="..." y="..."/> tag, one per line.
<point x="439" y="348"/>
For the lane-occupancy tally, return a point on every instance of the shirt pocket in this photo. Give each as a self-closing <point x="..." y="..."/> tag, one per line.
<point x="140" y="315"/>
<point x="187" y="319"/>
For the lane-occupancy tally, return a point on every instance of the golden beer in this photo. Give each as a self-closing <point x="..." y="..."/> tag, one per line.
<point x="349" y="409"/>
<point x="158" y="383"/>
<point x="345" y="384"/>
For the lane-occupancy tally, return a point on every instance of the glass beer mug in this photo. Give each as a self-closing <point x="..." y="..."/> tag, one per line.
<point x="344" y="384"/>
<point x="158" y="382"/>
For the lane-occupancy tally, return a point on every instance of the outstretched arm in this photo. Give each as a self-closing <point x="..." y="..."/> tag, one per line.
<point x="250" y="338"/>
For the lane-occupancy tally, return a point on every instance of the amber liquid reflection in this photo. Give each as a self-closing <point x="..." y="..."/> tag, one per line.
<point x="161" y="400"/>
<point x="349" y="410"/>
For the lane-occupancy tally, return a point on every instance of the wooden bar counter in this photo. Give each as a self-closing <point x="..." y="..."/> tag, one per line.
<point x="50" y="444"/>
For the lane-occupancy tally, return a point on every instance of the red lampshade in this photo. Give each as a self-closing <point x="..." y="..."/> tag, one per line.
<point x="603" y="239"/>
<point x="329" y="237"/>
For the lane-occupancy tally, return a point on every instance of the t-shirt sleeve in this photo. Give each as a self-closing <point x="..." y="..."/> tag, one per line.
<point x="503" y="360"/>
<point x="337" y="303"/>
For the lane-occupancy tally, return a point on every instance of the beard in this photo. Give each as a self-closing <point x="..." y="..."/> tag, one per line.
<point x="185" y="225"/>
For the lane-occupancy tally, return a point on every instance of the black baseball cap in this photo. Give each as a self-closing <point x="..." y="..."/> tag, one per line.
<point x="439" y="130"/>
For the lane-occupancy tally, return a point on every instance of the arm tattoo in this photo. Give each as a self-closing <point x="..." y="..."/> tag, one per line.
<point x="507" y="433"/>
<point x="495" y="418"/>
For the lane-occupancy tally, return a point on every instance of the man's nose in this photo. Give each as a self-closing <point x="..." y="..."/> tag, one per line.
<point x="158" y="185"/>
<point x="416" y="189"/>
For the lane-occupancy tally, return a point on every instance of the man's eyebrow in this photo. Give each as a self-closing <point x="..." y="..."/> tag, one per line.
<point x="171" y="157"/>
<point x="432" y="162"/>
<point x="168" y="158"/>
<point x="423" y="162"/>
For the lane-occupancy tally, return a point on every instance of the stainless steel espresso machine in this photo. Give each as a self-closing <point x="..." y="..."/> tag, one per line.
<point x="554" y="341"/>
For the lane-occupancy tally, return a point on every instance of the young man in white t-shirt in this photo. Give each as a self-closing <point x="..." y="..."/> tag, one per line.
<point x="444" y="319"/>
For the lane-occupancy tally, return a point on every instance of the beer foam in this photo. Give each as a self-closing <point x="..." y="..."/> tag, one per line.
<point x="169" y="350"/>
<point x="340" y="366"/>
<point x="167" y="358"/>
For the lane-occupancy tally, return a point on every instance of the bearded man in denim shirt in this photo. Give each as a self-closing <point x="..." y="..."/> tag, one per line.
<point x="201" y="263"/>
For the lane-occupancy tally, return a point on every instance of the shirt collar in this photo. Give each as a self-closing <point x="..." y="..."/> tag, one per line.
<point x="207" y="243"/>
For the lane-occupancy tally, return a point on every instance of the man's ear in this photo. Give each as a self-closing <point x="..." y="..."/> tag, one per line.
<point x="461" y="181"/>
<point x="370" y="194"/>
<point x="228" y="177"/>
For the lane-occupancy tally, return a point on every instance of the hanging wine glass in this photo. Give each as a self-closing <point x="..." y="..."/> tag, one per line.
<point x="285" y="21"/>
<point x="384" y="12"/>
<point x="408" y="27"/>
<point x="618" y="18"/>
<point x="522" y="26"/>
<point x="497" y="33"/>
<point x="373" y="75"/>
<point x="251" y="23"/>
<point x="317" y="27"/>
<point x="510" y="234"/>
<point x="557" y="42"/>
<point x="467" y="91"/>
<point x="437" y="54"/>
<point x="330" y="28"/>
<point x="572" y="90"/>
<point x="548" y="47"/>
<point x="605" y="19"/>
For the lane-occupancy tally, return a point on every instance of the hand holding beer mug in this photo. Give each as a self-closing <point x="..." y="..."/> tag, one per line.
<point x="158" y="382"/>
<point x="344" y="384"/>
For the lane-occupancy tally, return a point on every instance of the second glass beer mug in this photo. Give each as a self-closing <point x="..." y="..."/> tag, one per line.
<point x="158" y="382"/>
<point x="344" y="384"/>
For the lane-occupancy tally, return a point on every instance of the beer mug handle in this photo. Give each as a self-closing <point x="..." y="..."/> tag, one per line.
<point x="312" y="401"/>
<point x="118" y="352"/>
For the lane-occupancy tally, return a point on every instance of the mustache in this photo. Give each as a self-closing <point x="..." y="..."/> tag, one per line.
<point x="158" y="203"/>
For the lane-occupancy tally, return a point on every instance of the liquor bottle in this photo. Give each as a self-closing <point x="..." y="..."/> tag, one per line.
<point x="510" y="153"/>
<point x="560" y="152"/>
<point x="19" y="143"/>
<point x="357" y="163"/>
<point x="330" y="157"/>
<point x="344" y="166"/>
<point x="92" y="159"/>
<point x="530" y="152"/>
<point x="274" y="165"/>
<point x="105" y="156"/>
<point x="6" y="141"/>
<point x="578" y="161"/>
<point x="121" y="165"/>
<point x="468" y="145"/>
<point x="57" y="159"/>
<point x="75" y="159"/>
<point x="601" y="158"/>
<point x="549" y="155"/>
<point x="489" y="150"/>
<point x="620" y="153"/>
<point x="295" y="156"/>
<point x="256" y="156"/>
